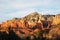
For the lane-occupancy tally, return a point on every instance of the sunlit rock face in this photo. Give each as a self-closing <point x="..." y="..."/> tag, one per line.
<point x="32" y="26"/>
<point x="56" y="19"/>
<point x="54" y="34"/>
<point x="34" y="18"/>
<point x="23" y="27"/>
<point x="50" y="18"/>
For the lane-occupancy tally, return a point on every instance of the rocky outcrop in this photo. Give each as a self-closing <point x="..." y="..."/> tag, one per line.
<point x="56" y="20"/>
<point x="32" y="26"/>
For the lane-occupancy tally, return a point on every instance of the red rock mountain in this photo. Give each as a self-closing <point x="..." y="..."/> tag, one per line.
<point x="33" y="24"/>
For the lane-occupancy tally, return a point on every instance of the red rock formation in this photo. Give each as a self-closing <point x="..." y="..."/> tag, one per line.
<point x="29" y="26"/>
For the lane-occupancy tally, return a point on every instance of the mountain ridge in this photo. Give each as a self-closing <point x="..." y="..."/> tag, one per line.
<point x="33" y="26"/>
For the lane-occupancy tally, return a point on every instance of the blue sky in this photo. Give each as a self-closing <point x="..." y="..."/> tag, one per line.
<point x="19" y="8"/>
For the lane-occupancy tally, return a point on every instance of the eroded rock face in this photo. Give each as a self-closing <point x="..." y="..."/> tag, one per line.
<point x="56" y="20"/>
<point x="54" y="34"/>
<point x="22" y="27"/>
<point x="33" y="26"/>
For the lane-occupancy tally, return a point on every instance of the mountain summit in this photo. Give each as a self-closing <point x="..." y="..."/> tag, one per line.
<point x="32" y="26"/>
